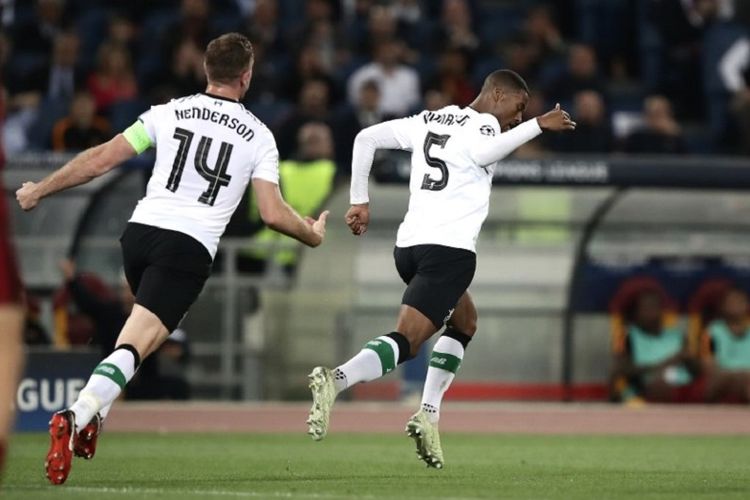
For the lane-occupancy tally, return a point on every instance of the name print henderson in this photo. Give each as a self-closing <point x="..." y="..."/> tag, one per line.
<point x="195" y="113"/>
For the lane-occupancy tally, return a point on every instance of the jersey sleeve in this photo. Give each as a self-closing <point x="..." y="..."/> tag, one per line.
<point x="267" y="161"/>
<point x="488" y="145"/>
<point x="393" y="134"/>
<point x="150" y="119"/>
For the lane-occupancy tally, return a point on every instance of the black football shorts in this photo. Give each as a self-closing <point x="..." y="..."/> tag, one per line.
<point x="166" y="270"/>
<point x="436" y="277"/>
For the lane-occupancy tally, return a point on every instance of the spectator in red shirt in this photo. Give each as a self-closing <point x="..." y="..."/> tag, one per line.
<point x="113" y="79"/>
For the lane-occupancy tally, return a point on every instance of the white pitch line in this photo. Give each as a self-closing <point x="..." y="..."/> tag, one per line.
<point x="127" y="490"/>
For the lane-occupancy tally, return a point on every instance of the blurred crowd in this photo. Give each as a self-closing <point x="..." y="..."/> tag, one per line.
<point x="640" y="76"/>
<point x="661" y="356"/>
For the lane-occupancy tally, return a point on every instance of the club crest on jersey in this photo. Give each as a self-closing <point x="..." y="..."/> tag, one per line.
<point x="445" y="118"/>
<point x="487" y="130"/>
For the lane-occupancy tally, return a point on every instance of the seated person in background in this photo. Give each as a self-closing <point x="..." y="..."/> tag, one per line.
<point x="726" y="350"/>
<point x="306" y="183"/>
<point x="660" y="133"/>
<point x="114" y="79"/>
<point x="82" y="128"/>
<point x="352" y="119"/>
<point x="655" y="361"/>
<point x="593" y="133"/>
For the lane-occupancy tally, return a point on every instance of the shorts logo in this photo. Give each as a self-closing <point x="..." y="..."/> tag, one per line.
<point x="487" y="130"/>
<point x="450" y="313"/>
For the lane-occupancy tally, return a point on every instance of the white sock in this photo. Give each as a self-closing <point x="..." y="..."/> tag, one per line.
<point x="444" y="362"/>
<point x="378" y="357"/>
<point x="104" y="411"/>
<point x="106" y="383"/>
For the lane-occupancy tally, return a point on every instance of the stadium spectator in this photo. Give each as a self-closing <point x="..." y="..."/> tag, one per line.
<point x="582" y="73"/>
<point x="593" y="133"/>
<point x="62" y="77"/>
<point x="655" y="361"/>
<point x="352" y="119"/>
<point x="435" y="99"/>
<point x="262" y="28"/>
<point x="457" y="27"/>
<point x="308" y="66"/>
<point x="184" y="75"/>
<point x="313" y="105"/>
<point x="453" y="77"/>
<point x="36" y="35"/>
<point x="82" y="128"/>
<point x="733" y="67"/>
<point x="306" y="182"/>
<point x="542" y="35"/>
<point x="113" y="80"/>
<point x="660" y="133"/>
<point x="192" y="23"/>
<point x="727" y="350"/>
<point x="398" y="83"/>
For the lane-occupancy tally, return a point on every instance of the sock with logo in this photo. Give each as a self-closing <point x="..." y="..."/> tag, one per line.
<point x="444" y="362"/>
<point x="378" y="357"/>
<point x="106" y="383"/>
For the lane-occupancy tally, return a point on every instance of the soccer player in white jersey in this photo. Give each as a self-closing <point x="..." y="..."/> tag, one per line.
<point x="454" y="152"/>
<point x="208" y="148"/>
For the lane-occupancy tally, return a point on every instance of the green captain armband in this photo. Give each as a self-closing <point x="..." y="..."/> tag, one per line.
<point x="137" y="137"/>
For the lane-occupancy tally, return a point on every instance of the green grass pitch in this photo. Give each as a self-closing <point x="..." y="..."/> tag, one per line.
<point x="192" y="466"/>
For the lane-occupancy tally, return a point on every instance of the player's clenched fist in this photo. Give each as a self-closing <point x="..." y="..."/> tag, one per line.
<point x="557" y="120"/>
<point x="357" y="218"/>
<point x="27" y="196"/>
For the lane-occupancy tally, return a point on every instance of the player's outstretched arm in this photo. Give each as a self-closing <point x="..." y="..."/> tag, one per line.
<point x="498" y="147"/>
<point x="85" y="166"/>
<point x="279" y="216"/>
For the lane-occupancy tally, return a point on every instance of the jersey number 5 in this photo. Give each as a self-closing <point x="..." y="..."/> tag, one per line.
<point x="216" y="177"/>
<point x="428" y="182"/>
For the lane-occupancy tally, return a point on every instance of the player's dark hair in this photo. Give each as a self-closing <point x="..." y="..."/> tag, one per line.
<point x="505" y="78"/>
<point x="227" y="57"/>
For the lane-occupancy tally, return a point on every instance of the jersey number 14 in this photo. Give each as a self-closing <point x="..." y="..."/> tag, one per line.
<point x="428" y="182"/>
<point x="217" y="176"/>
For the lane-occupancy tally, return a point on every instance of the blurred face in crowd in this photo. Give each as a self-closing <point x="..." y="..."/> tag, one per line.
<point x="735" y="305"/>
<point x="648" y="312"/>
<point x="456" y="13"/>
<point x="435" y="99"/>
<point x="50" y="11"/>
<point x="454" y="63"/>
<point x="195" y="9"/>
<point x="369" y="96"/>
<point x="82" y="110"/>
<point x="707" y="9"/>
<point x="65" y="51"/>
<point x="657" y="110"/>
<point x="121" y="30"/>
<point x="589" y="107"/>
<point x="582" y="61"/>
<point x="115" y="61"/>
<point x="388" y="53"/>
<point x="519" y="57"/>
<point x="318" y="10"/>
<point x="315" y="142"/>
<point x="539" y="22"/>
<point x="314" y="98"/>
<point x="381" y="23"/>
<point x="266" y="12"/>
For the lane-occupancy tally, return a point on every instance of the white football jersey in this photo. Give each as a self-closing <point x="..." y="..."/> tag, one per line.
<point x="449" y="189"/>
<point x="207" y="150"/>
